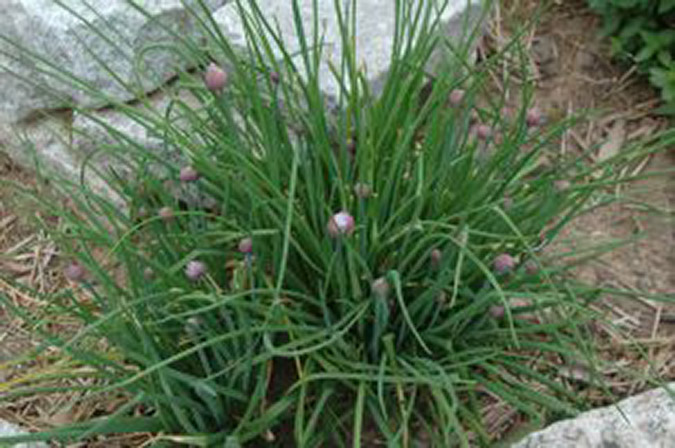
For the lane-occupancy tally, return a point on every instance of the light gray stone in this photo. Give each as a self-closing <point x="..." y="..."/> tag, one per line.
<point x="7" y="429"/>
<point x="93" y="39"/>
<point x="373" y="39"/>
<point x="90" y="132"/>
<point x="648" y="421"/>
<point x="44" y="27"/>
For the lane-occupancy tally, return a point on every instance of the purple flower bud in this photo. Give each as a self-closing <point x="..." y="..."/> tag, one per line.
<point x="533" y="117"/>
<point x="504" y="263"/>
<point x="75" y="272"/>
<point x="436" y="257"/>
<point x="562" y="185"/>
<point x="483" y="131"/>
<point x="193" y="326"/>
<point x="275" y="77"/>
<point x="517" y="303"/>
<point x="497" y="311"/>
<point x="457" y="97"/>
<point x="507" y="202"/>
<point x="195" y="269"/>
<point x="215" y="78"/>
<point x="363" y="191"/>
<point x="380" y="288"/>
<point x="166" y="213"/>
<point x="245" y="246"/>
<point x="531" y="267"/>
<point x="188" y="174"/>
<point x="341" y="223"/>
<point x="142" y="213"/>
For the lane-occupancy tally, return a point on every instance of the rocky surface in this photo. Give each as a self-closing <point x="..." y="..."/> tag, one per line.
<point x="375" y="21"/>
<point x="92" y="42"/>
<point x="645" y="421"/>
<point x="7" y="429"/>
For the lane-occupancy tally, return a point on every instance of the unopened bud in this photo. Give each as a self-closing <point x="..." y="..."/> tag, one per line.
<point x="215" y="78"/>
<point x="457" y="97"/>
<point x="341" y="223"/>
<point x="195" y="269"/>
<point x="188" y="174"/>
<point x="380" y="288"/>
<point x="245" y="246"/>
<point x="436" y="257"/>
<point x="504" y="263"/>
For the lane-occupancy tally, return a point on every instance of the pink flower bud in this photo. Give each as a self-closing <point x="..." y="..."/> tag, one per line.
<point x="483" y="131"/>
<point x="275" y="77"/>
<point x="341" y="223"/>
<point x="142" y="213"/>
<point x="562" y="185"/>
<point x="215" y="78"/>
<point x="457" y="97"/>
<point x="507" y="202"/>
<point x="533" y="117"/>
<point x="166" y="213"/>
<point x="436" y="257"/>
<point x="245" y="246"/>
<point x="380" y="288"/>
<point x="504" y="263"/>
<point x="188" y="174"/>
<point x="531" y="267"/>
<point x="75" y="272"/>
<point x="195" y="269"/>
<point x="193" y="326"/>
<point x="363" y="191"/>
<point x="497" y="311"/>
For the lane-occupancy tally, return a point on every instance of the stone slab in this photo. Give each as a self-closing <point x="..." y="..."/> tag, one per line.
<point x="91" y="40"/>
<point x="8" y="429"/>
<point x="648" y="421"/>
<point x="375" y="22"/>
<point x="46" y="28"/>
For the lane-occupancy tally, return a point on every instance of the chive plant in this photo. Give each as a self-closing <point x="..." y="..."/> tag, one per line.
<point x="360" y="270"/>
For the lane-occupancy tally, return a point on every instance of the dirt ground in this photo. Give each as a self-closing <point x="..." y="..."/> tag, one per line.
<point x="573" y="73"/>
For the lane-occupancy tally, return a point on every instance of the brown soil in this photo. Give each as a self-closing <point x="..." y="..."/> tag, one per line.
<point x="574" y="74"/>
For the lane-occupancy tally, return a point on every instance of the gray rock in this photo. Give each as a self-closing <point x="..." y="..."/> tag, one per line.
<point x="7" y="429"/>
<point x="116" y="43"/>
<point x="94" y="39"/>
<point x="648" y="421"/>
<point x="90" y="132"/>
<point x="374" y="38"/>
